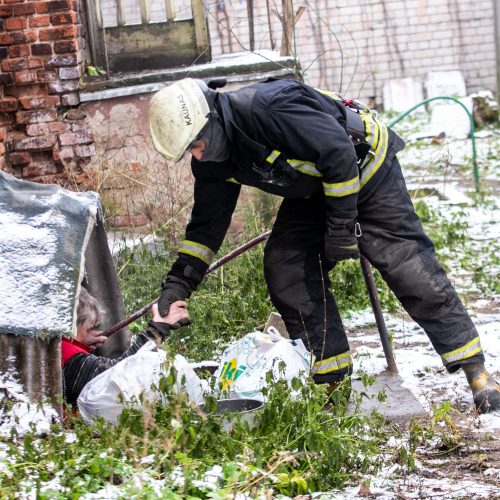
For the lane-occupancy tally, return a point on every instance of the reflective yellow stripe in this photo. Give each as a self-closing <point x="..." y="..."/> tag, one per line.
<point x="273" y="156"/>
<point x="332" y="364"/>
<point x="341" y="188"/>
<point x="467" y="351"/>
<point x="305" y="167"/>
<point x="377" y="136"/>
<point x="197" y="250"/>
<point x="232" y="179"/>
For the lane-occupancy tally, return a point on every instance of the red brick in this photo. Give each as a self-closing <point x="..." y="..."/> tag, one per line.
<point x="39" y="21"/>
<point x="39" y="169"/>
<point x="39" y="143"/>
<point x="61" y="60"/>
<point x="6" y="79"/>
<point x="8" y="105"/>
<point x="85" y="151"/>
<point x="63" y="18"/>
<point x="16" y="23"/>
<point x="54" y="6"/>
<point x="19" y="51"/>
<point x="46" y="76"/>
<point x="30" y="90"/>
<point x="40" y="116"/>
<point x="14" y="64"/>
<point x="2" y="133"/>
<point x="6" y="119"/>
<point x="73" y="138"/>
<point x="58" y="127"/>
<point x="21" y="63"/>
<point x="49" y="34"/>
<point x="19" y="158"/>
<point x="64" y="153"/>
<point x="6" y="10"/>
<point x="24" y="9"/>
<point x="26" y="76"/>
<point x="2" y="149"/>
<point x="34" y="129"/>
<point x="39" y="102"/>
<point x="65" y="46"/>
<point x="41" y="49"/>
<point x="16" y="37"/>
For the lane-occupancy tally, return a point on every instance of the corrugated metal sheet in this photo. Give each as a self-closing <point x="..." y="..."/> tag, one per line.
<point x="36" y="364"/>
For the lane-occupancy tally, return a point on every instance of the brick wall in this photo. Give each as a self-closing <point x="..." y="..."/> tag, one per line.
<point x="44" y="135"/>
<point x="355" y="47"/>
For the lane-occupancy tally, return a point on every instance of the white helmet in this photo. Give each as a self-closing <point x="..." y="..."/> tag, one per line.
<point x="177" y="114"/>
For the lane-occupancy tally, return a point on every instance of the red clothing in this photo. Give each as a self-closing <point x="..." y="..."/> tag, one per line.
<point x="71" y="347"/>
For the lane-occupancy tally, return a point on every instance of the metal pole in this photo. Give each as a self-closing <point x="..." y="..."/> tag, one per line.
<point x="379" y="318"/>
<point x="215" y="265"/>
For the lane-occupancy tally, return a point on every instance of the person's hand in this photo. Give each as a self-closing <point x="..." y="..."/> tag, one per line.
<point x="177" y="315"/>
<point x="91" y="338"/>
<point x="172" y="292"/>
<point x="341" y="242"/>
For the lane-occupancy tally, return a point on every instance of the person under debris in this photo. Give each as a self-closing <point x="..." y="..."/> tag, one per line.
<point x="80" y="366"/>
<point x="334" y="163"/>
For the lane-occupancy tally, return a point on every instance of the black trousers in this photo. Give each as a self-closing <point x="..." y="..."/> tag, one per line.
<point x="395" y="243"/>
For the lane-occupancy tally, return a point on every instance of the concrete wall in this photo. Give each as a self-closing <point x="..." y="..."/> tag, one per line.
<point x="354" y="47"/>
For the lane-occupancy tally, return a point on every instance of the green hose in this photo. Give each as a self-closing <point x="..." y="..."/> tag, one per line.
<point x="472" y="130"/>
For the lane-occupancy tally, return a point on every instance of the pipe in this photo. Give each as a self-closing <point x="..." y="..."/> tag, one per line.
<point x="215" y="265"/>
<point x="472" y="130"/>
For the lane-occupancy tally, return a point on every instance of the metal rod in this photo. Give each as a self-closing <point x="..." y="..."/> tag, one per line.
<point x="379" y="318"/>
<point x="215" y="265"/>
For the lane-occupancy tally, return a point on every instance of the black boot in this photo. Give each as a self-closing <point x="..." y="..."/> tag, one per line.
<point x="485" y="390"/>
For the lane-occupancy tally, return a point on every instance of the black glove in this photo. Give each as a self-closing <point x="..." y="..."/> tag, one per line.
<point x="341" y="239"/>
<point x="173" y="289"/>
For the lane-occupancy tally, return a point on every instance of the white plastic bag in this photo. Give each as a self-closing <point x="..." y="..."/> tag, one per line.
<point x="244" y="365"/>
<point x="105" y="395"/>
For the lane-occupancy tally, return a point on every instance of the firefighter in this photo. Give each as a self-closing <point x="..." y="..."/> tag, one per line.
<point x="334" y="163"/>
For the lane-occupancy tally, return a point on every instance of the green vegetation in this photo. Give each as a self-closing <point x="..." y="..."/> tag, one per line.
<point x="293" y="445"/>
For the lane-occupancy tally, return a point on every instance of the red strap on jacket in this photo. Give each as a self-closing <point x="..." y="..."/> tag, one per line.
<point x="70" y="348"/>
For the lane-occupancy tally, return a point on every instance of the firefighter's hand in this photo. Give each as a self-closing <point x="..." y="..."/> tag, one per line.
<point x="173" y="292"/>
<point x="341" y="242"/>
<point x="177" y="316"/>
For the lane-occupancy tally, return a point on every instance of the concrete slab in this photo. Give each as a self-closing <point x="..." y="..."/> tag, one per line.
<point x="445" y="83"/>
<point x="402" y="93"/>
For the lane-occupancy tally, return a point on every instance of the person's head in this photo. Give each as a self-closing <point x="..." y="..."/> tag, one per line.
<point x="88" y="314"/>
<point x="182" y="117"/>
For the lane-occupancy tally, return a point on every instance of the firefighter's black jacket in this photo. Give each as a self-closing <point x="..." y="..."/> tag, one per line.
<point x="287" y="139"/>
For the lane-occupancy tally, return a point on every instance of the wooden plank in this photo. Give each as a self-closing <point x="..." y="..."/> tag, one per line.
<point x="94" y="27"/>
<point x="145" y="11"/>
<point x="200" y="26"/>
<point x="120" y="14"/>
<point x="169" y="9"/>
